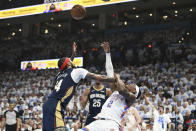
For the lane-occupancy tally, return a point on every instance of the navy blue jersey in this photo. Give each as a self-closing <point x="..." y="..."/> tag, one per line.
<point x="96" y="99"/>
<point x="64" y="88"/>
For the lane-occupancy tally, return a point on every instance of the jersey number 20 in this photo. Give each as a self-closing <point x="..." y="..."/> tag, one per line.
<point x="58" y="85"/>
<point x="96" y="103"/>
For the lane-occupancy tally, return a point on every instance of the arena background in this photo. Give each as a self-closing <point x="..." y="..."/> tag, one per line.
<point x="153" y="43"/>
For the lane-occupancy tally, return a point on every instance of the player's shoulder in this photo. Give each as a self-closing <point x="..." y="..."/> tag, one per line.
<point x="78" y="71"/>
<point x="78" y="68"/>
<point x="115" y="93"/>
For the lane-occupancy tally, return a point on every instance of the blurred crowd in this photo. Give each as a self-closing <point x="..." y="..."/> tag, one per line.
<point x="161" y="62"/>
<point x="128" y="47"/>
<point x="170" y="84"/>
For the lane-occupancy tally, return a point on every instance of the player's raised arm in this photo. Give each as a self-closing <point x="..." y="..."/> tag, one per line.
<point x="74" y="49"/>
<point x="108" y="64"/>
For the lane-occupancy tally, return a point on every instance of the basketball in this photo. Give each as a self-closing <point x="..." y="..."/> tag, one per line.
<point x="78" y="12"/>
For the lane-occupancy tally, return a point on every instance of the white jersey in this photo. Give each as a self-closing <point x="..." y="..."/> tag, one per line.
<point x="114" y="108"/>
<point x="160" y="121"/>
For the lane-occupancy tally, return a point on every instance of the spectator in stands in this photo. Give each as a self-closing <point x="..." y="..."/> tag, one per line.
<point x="191" y="57"/>
<point x="179" y="106"/>
<point x="194" y="102"/>
<point x="161" y="120"/>
<point x="178" y="118"/>
<point x="10" y="120"/>
<point x="25" y="83"/>
<point x="168" y="105"/>
<point x="147" y="114"/>
<point x="167" y="112"/>
<point x="184" y="109"/>
<point x="188" y="91"/>
<point x="143" y="125"/>
<point x="187" y="121"/>
<point x="194" y="92"/>
<point x="180" y="127"/>
<point x="191" y="107"/>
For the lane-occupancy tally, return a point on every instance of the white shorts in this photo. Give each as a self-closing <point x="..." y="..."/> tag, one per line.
<point x="101" y="125"/>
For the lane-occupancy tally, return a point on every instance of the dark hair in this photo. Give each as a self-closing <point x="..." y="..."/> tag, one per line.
<point x="52" y="8"/>
<point x="161" y="107"/>
<point x="61" y="61"/>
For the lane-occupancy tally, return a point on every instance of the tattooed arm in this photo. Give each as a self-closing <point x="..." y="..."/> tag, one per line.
<point x="101" y="78"/>
<point x="129" y="97"/>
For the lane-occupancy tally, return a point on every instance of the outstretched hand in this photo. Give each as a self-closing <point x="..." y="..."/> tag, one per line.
<point x="106" y="47"/>
<point x="74" y="48"/>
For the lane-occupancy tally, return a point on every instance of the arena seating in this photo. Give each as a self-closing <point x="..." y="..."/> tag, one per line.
<point x="163" y="68"/>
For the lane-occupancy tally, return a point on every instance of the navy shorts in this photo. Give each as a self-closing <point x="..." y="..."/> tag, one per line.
<point x="52" y="115"/>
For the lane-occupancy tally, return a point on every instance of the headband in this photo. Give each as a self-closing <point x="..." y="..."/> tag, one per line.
<point x="137" y="91"/>
<point x="64" y="64"/>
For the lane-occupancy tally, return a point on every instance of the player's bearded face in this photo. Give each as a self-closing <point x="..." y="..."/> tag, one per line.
<point x="131" y="88"/>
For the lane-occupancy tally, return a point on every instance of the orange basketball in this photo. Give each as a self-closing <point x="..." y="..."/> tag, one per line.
<point x="78" y="12"/>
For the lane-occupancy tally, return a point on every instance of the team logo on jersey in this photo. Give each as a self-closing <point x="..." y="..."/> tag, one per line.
<point x="97" y="96"/>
